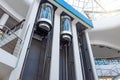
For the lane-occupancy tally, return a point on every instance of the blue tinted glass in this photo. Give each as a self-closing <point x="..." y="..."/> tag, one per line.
<point x="67" y="25"/>
<point x="46" y="13"/>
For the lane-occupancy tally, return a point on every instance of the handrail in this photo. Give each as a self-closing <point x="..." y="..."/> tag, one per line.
<point x="10" y="30"/>
<point x="20" y="22"/>
<point x="16" y="26"/>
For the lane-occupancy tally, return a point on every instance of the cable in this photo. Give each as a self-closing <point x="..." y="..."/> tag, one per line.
<point x="66" y="52"/>
<point x="45" y="57"/>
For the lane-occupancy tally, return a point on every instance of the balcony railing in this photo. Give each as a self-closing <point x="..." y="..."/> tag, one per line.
<point x="108" y="67"/>
<point x="10" y="40"/>
<point x="113" y="72"/>
<point x="106" y="62"/>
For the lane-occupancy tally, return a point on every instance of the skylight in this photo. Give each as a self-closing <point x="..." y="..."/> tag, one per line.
<point x="96" y="9"/>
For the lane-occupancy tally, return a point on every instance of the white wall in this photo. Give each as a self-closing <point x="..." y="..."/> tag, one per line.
<point x="54" y="68"/>
<point x="7" y="58"/>
<point x="106" y="32"/>
<point x="10" y="10"/>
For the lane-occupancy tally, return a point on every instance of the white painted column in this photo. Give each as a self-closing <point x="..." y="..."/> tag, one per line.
<point x="17" y="48"/>
<point x="54" y="68"/>
<point x="91" y="56"/>
<point x="78" y="67"/>
<point x="3" y="20"/>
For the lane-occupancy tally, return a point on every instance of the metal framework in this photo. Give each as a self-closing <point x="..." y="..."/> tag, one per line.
<point x="113" y="72"/>
<point x="93" y="9"/>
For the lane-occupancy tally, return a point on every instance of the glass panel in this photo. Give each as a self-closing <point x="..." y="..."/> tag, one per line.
<point x="10" y="40"/>
<point x="66" y="25"/>
<point x="46" y="12"/>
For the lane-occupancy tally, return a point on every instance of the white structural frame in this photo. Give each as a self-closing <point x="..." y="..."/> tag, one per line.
<point x="78" y="66"/>
<point x="54" y="69"/>
<point x="27" y="29"/>
<point x="91" y="56"/>
<point x="3" y="20"/>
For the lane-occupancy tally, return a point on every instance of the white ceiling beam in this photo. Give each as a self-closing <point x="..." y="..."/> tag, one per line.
<point x="10" y="11"/>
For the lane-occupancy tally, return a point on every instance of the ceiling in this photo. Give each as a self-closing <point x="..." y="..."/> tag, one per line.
<point x="105" y="52"/>
<point x="96" y="9"/>
<point x="106" y="33"/>
<point x="108" y="37"/>
<point x="20" y="6"/>
<point x="10" y="22"/>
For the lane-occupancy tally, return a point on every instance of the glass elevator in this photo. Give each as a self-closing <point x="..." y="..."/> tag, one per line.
<point x="67" y="69"/>
<point x="37" y="61"/>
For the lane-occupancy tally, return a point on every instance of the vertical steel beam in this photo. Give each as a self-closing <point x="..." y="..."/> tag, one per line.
<point x="54" y="68"/>
<point x="78" y="67"/>
<point x="91" y="56"/>
<point x="25" y="35"/>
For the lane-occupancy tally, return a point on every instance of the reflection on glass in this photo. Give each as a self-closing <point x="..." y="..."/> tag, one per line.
<point x="66" y="24"/>
<point x="46" y="12"/>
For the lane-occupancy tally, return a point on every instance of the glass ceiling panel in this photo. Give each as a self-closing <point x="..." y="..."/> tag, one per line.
<point x="96" y="9"/>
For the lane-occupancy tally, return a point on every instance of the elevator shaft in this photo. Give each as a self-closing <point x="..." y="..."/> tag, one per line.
<point x="85" y="57"/>
<point x="67" y="69"/>
<point x="37" y="61"/>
